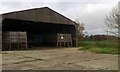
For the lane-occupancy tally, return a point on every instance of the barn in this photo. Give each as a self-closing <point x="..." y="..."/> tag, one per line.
<point x="37" y="27"/>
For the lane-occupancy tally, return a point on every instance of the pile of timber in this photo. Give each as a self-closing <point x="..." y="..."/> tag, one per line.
<point x="64" y="40"/>
<point x="14" y="40"/>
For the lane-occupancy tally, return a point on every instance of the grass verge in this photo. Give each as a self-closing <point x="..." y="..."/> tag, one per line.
<point x="105" y="47"/>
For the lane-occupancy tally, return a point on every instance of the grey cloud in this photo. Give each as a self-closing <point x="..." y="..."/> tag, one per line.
<point x="15" y="4"/>
<point x="94" y="21"/>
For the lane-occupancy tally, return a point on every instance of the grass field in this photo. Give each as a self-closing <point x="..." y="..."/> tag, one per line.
<point x="107" y="47"/>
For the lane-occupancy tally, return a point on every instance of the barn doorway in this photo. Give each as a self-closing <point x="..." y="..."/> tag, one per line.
<point x="38" y="33"/>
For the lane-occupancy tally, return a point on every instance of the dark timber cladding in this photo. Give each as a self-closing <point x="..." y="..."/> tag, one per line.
<point x="44" y="27"/>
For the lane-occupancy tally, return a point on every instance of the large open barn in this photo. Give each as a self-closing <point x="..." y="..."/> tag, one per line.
<point x="43" y="27"/>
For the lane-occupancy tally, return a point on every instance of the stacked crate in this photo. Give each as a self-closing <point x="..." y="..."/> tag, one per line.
<point x="14" y="40"/>
<point x="64" y="40"/>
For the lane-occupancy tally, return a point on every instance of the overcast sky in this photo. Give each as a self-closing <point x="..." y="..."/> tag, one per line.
<point x="91" y="12"/>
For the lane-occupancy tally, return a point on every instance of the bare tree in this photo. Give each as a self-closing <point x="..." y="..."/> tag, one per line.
<point x="80" y="29"/>
<point x="113" y="22"/>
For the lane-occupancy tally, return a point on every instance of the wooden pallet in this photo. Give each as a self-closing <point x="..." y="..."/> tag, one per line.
<point x="64" y="40"/>
<point x="14" y="40"/>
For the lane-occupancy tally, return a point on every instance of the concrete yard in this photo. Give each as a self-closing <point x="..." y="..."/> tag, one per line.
<point x="57" y="59"/>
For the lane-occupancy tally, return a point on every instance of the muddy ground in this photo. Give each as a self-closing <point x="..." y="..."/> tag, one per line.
<point x="57" y="59"/>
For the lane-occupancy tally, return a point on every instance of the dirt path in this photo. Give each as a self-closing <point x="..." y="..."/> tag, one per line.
<point x="58" y="59"/>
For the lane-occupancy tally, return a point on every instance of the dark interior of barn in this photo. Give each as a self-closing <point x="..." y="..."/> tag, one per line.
<point x="38" y="33"/>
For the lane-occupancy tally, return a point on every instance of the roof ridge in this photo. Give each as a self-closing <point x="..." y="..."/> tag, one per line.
<point x="25" y="10"/>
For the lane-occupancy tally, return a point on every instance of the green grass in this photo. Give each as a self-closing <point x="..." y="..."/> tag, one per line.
<point x="106" y="47"/>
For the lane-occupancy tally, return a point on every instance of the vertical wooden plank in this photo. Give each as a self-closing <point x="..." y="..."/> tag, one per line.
<point x="1" y="42"/>
<point x="57" y="40"/>
<point x="57" y="43"/>
<point x="71" y="40"/>
<point x="64" y="43"/>
<point x="1" y="32"/>
<point x="10" y="41"/>
<point x="71" y="44"/>
<point x="67" y="44"/>
<point x="18" y="39"/>
<point x="26" y="40"/>
<point x="60" y="44"/>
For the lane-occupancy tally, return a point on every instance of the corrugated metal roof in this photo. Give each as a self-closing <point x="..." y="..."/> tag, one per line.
<point x="44" y="14"/>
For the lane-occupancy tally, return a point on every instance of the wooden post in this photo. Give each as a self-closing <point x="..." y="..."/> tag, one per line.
<point x="64" y="43"/>
<point x="68" y="44"/>
<point x="60" y="43"/>
<point x="71" y="43"/>
<point x="18" y="35"/>
<point x="57" y="43"/>
<point x="57" y="40"/>
<point x="26" y="40"/>
<point x="1" y="19"/>
<point x="10" y="41"/>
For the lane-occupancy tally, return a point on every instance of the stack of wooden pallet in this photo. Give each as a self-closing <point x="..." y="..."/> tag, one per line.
<point x="64" y="40"/>
<point x="14" y="40"/>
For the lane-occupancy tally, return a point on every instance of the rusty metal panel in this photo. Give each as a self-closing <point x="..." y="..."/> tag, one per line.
<point x="39" y="15"/>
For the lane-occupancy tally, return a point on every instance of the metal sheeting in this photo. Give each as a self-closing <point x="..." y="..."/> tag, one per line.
<point x="44" y="14"/>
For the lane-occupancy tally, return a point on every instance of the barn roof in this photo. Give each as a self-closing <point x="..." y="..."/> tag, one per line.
<point x="44" y="14"/>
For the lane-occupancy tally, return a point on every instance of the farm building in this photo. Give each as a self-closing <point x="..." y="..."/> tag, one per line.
<point x="37" y="27"/>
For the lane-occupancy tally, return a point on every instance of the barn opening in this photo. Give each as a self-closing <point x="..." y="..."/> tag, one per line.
<point x="46" y="32"/>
